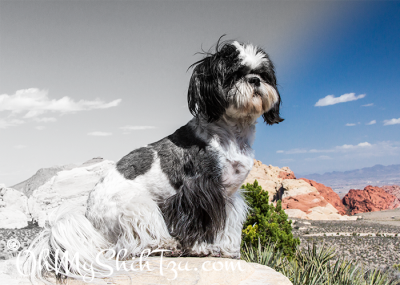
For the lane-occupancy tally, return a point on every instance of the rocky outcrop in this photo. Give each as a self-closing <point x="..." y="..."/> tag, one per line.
<point x="303" y="201"/>
<point x="189" y="270"/>
<point x="286" y="174"/>
<point x="330" y="196"/>
<point x="393" y="190"/>
<point x="370" y="199"/>
<point x="301" y="198"/>
<point x="269" y="177"/>
<point x="14" y="211"/>
<point x="39" y="178"/>
<point x="66" y="187"/>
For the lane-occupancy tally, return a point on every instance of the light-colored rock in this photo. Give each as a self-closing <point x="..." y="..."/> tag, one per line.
<point x="187" y="271"/>
<point x="327" y="212"/>
<point x="11" y="218"/>
<point x="14" y="211"/>
<point x="295" y="187"/>
<point x="66" y="187"/>
<point x="295" y="213"/>
<point x="300" y="199"/>
<point x="39" y="178"/>
<point x="14" y="199"/>
<point x="269" y="177"/>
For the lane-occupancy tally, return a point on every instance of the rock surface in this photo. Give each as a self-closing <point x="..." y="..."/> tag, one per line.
<point x="199" y="271"/>
<point x="12" y="219"/>
<point x="303" y="201"/>
<point x="14" y="211"/>
<point x="39" y="178"/>
<point x="269" y="177"/>
<point x="330" y="196"/>
<point x="393" y="190"/>
<point x="370" y="199"/>
<point x="301" y="198"/>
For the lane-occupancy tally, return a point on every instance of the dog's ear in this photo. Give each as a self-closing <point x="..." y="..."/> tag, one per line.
<point x="272" y="116"/>
<point x="205" y="94"/>
<point x="206" y="88"/>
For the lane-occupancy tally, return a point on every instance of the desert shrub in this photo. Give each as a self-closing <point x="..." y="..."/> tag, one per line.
<point x="266" y="224"/>
<point x="315" y="265"/>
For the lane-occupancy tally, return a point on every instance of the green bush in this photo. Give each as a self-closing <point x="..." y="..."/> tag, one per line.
<point x="316" y="265"/>
<point x="266" y="223"/>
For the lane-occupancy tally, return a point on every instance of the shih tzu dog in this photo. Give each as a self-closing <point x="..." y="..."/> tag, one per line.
<point x="181" y="193"/>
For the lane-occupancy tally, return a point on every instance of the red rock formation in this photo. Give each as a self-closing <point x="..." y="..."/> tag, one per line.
<point x="371" y="199"/>
<point x="286" y="175"/>
<point x="304" y="202"/>
<point x="329" y="195"/>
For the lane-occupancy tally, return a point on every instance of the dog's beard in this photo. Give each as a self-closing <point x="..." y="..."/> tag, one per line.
<point x="247" y="100"/>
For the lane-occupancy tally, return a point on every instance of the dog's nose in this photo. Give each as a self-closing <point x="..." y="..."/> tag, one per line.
<point x="255" y="81"/>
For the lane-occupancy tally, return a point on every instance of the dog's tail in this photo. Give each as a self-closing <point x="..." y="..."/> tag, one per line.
<point x="69" y="247"/>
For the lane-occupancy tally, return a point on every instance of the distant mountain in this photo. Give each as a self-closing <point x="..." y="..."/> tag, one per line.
<point x="377" y="175"/>
<point x="39" y="178"/>
<point x="45" y="174"/>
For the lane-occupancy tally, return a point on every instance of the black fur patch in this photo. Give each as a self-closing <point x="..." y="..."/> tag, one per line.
<point x="210" y="76"/>
<point x="136" y="163"/>
<point x="197" y="211"/>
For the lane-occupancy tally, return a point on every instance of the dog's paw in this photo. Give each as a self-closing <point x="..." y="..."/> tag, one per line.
<point x="232" y="255"/>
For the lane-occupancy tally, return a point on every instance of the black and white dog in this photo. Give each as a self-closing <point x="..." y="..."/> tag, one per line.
<point x="182" y="192"/>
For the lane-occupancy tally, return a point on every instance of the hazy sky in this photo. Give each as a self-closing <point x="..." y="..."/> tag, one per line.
<point x="82" y="79"/>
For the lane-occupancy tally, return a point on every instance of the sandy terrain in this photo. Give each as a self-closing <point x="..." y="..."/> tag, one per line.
<point x="388" y="217"/>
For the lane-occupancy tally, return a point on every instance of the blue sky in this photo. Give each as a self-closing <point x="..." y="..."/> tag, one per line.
<point x="357" y="53"/>
<point x="80" y="79"/>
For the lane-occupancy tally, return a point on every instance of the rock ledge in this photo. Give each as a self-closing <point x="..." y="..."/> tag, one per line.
<point x="187" y="271"/>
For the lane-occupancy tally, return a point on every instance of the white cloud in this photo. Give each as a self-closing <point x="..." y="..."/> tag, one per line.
<point x="320" y="150"/>
<point x="40" y="128"/>
<point x="391" y="122"/>
<point x="368" y="105"/>
<point x="361" y="150"/>
<point x="5" y="123"/>
<point x="279" y="151"/>
<point x="99" y="134"/>
<point x="295" y="151"/>
<point x="128" y="129"/>
<point x="33" y="102"/>
<point x="334" y="149"/>
<point x="20" y="146"/>
<point x="364" y="144"/>
<point x="332" y="100"/>
<point x="371" y="123"/>
<point x="321" y="157"/>
<point x="349" y="146"/>
<point x="350" y="125"/>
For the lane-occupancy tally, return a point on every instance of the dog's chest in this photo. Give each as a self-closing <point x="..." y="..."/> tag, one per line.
<point x="236" y="166"/>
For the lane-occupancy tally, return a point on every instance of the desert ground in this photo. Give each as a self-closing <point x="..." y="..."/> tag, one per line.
<point x="373" y="241"/>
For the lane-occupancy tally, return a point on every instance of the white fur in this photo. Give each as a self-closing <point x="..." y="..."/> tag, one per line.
<point x="249" y="55"/>
<point x="82" y="239"/>
<point x="130" y="207"/>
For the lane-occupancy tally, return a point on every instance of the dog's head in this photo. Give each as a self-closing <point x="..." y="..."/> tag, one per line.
<point x="238" y="81"/>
